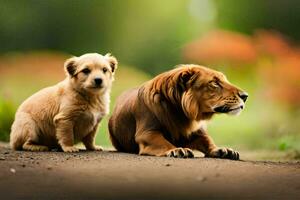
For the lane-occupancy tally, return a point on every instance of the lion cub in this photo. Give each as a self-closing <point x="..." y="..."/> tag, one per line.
<point x="69" y="111"/>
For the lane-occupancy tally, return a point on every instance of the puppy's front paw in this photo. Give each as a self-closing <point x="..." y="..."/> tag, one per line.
<point x="180" y="153"/>
<point x="95" y="148"/>
<point x="70" y="149"/>
<point x="33" y="147"/>
<point x="225" y="153"/>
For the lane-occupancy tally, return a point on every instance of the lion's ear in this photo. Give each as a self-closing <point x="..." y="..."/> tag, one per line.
<point x="113" y="62"/>
<point x="186" y="78"/>
<point x="70" y="66"/>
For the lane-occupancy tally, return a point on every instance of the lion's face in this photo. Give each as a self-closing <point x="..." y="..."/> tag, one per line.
<point x="209" y="91"/>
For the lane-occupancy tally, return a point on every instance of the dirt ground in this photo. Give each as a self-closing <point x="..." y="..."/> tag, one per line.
<point x="112" y="175"/>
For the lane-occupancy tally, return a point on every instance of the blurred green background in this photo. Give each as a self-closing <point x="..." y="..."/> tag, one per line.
<point x="255" y="43"/>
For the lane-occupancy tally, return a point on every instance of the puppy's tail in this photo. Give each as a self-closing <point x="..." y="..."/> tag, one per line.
<point x="20" y="130"/>
<point x="16" y="142"/>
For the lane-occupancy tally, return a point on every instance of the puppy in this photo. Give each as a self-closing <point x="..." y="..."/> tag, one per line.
<point x="68" y="112"/>
<point x="166" y="115"/>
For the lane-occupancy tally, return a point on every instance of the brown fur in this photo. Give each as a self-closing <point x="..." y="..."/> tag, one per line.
<point x="68" y="112"/>
<point x="166" y="116"/>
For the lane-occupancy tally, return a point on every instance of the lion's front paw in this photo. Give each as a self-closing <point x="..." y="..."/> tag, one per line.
<point x="225" y="153"/>
<point x="180" y="153"/>
<point x="70" y="149"/>
<point x="95" y="148"/>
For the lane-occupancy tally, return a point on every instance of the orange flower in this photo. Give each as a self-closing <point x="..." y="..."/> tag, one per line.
<point x="221" y="46"/>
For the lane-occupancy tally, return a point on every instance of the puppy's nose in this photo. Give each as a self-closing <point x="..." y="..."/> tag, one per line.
<point x="98" y="81"/>
<point x="243" y="95"/>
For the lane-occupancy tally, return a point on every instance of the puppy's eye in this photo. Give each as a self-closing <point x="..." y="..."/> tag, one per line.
<point x="86" y="71"/>
<point x="104" y="70"/>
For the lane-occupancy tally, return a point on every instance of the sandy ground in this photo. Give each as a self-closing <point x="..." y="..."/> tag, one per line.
<point x="112" y="175"/>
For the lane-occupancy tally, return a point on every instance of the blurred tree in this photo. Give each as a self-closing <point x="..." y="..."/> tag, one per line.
<point x="148" y="34"/>
<point x="249" y="15"/>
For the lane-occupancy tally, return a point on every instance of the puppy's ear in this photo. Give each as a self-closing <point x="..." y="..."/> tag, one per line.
<point x="112" y="62"/>
<point x="70" y="66"/>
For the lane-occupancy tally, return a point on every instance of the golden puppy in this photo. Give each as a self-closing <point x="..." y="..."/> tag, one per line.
<point x="68" y="112"/>
<point x="166" y="115"/>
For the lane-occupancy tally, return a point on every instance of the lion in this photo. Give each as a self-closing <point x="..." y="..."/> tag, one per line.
<point x="167" y="115"/>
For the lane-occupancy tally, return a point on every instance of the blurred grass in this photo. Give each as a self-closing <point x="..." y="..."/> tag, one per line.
<point x="7" y="110"/>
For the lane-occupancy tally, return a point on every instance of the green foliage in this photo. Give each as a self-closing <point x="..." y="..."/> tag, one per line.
<point x="7" y="110"/>
<point x="283" y="146"/>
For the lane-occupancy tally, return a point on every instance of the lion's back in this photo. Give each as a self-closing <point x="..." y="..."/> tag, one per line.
<point x="122" y="123"/>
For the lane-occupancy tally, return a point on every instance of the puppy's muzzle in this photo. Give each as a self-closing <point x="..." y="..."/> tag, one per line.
<point x="98" y="82"/>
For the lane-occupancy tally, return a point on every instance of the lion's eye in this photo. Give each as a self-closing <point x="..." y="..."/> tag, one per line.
<point x="86" y="71"/>
<point x="104" y="70"/>
<point x="214" y="84"/>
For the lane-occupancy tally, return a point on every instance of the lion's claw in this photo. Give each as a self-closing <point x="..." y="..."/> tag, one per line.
<point x="225" y="153"/>
<point x="95" y="148"/>
<point x="180" y="153"/>
<point x="70" y="149"/>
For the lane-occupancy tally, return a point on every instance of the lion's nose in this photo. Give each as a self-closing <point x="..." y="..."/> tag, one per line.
<point x="243" y="95"/>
